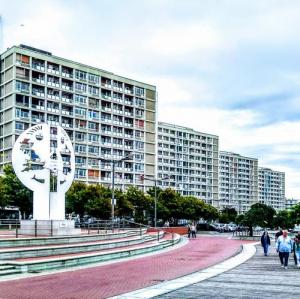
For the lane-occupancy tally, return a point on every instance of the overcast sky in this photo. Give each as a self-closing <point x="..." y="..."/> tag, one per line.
<point x="230" y="68"/>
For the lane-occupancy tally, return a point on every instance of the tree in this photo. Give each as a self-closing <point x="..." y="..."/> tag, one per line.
<point x="295" y="214"/>
<point x="283" y="219"/>
<point x="98" y="201"/>
<point x="228" y="215"/>
<point x="123" y="207"/>
<point x="141" y="204"/>
<point x="259" y="214"/>
<point x="13" y="192"/>
<point x="76" y="198"/>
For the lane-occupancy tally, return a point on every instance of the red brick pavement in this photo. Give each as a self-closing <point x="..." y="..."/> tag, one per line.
<point x="117" y="278"/>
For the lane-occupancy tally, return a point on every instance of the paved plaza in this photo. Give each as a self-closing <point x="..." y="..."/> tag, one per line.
<point x="207" y="267"/>
<point x="259" y="277"/>
<point x="122" y="277"/>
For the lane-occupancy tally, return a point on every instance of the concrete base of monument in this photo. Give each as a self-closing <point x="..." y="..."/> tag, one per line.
<point x="48" y="228"/>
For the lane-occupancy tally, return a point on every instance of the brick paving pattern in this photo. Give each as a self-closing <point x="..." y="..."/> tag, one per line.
<point x="121" y="277"/>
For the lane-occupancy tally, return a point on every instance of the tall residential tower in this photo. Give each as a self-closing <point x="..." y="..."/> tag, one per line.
<point x="106" y="116"/>
<point x="272" y="188"/>
<point x="238" y="181"/>
<point x="191" y="159"/>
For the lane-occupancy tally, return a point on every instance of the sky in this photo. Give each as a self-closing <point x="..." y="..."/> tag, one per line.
<point x="225" y="67"/>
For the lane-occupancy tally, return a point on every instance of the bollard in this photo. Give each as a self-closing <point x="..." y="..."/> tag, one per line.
<point x="88" y="229"/>
<point x="98" y="227"/>
<point x="140" y="230"/>
<point x="35" y="228"/>
<point x="158" y="235"/>
<point x="51" y="228"/>
<point x="172" y="239"/>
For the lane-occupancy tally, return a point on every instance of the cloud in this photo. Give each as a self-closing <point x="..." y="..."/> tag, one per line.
<point x="230" y="68"/>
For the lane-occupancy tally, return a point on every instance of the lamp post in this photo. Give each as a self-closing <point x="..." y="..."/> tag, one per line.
<point x="113" y="162"/>
<point x="155" y="193"/>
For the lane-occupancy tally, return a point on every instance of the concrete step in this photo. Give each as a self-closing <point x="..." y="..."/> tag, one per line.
<point x="70" y="260"/>
<point x="6" y="269"/>
<point x="62" y="249"/>
<point x="39" y="241"/>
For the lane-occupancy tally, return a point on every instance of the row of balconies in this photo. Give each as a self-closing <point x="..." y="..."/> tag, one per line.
<point x="67" y="72"/>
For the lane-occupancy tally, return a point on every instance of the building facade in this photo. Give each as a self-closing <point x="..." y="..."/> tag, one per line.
<point x="106" y="116"/>
<point x="238" y="181"/>
<point x="190" y="158"/>
<point x="290" y="202"/>
<point x="271" y="188"/>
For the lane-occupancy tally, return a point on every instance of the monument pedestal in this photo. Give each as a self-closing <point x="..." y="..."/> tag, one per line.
<point x="48" y="228"/>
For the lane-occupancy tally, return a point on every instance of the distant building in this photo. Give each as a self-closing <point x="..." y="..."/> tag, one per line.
<point x="272" y="188"/>
<point x="290" y="202"/>
<point x="238" y="181"/>
<point x="191" y="159"/>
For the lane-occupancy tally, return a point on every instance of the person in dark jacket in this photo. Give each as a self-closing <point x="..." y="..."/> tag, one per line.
<point x="265" y="242"/>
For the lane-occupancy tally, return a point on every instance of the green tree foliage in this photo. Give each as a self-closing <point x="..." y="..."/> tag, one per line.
<point x="76" y="198"/>
<point x="259" y="214"/>
<point x="124" y="207"/>
<point x="13" y="192"/>
<point x="98" y="202"/>
<point x="283" y="220"/>
<point x="295" y="214"/>
<point x="228" y="215"/>
<point x="141" y="204"/>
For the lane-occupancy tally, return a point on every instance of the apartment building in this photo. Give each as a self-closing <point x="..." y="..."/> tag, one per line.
<point x="190" y="158"/>
<point x="238" y="181"/>
<point x="271" y="188"/>
<point x="106" y="116"/>
<point x="290" y="202"/>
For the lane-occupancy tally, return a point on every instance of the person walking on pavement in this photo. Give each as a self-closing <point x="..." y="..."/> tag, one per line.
<point x="265" y="242"/>
<point x="189" y="230"/>
<point x="193" y="230"/>
<point x="297" y="250"/>
<point x="278" y="234"/>
<point x="284" y="246"/>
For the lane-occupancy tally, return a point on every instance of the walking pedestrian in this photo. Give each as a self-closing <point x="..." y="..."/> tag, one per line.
<point x="193" y="230"/>
<point x="297" y="250"/>
<point x="278" y="234"/>
<point x="189" y="230"/>
<point x="265" y="242"/>
<point x="284" y="246"/>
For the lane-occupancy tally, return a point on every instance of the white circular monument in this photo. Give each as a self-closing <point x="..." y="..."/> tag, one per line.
<point x="43" y="159"/>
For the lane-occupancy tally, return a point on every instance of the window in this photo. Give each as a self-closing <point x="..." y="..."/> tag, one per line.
<point x="22" y="86"/>
<point x="92" y="126"/>
<point x="93" y="114"/>
<point x="22" y="59"/>
<point x="93" y="138"/>
<point x="93" y="90"/>
<point x="139" y="91"/>
<point x="79" y="99"/>
<point x="79" y="148"/>
<point x="139" y="102"/>
<point x="80" y="75"/>
<point x="21" y="113"/>
<point x="94" y="79"/>
<point x="80" y="87"/>
<point x="80" y="111"/>
<point x="80" y="172"/>
<point x="94" y="150"/>
<point x="139" y="145"/>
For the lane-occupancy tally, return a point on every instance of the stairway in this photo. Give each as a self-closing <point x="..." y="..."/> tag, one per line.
<point x="32" y="255"/>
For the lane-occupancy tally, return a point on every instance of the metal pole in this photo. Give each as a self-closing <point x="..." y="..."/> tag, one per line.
<point x="155" y="203"/>
<point x="113" y="192"/>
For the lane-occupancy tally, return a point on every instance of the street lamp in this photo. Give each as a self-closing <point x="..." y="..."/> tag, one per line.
<point x="155" y="193"/>
<point x="113" y="162"/>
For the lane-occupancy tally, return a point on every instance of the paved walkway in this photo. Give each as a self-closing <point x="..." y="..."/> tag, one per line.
<point x="259" y="277"/>
<point x="122" y="277"/>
